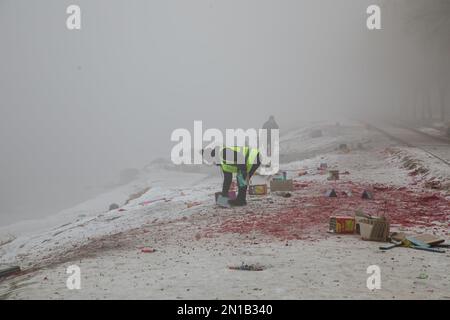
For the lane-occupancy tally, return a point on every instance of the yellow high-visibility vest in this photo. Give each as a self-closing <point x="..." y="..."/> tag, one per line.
<point x="250" y="155"/>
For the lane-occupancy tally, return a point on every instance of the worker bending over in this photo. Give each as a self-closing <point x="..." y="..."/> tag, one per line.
<point x="243" y="161"/>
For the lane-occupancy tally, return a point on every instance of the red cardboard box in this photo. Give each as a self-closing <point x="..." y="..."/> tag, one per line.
<point x="342" y="224"/>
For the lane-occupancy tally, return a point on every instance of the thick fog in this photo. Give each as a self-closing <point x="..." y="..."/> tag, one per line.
<point x="79" y="106"/>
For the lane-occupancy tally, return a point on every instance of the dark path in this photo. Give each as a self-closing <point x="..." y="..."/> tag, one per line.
<point x="436" y="147"/>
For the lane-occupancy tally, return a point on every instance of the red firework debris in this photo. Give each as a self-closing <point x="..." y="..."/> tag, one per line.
<point x="307" y="212"/>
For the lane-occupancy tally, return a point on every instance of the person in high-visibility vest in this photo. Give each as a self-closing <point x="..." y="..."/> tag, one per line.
<point x="242" y="161"/>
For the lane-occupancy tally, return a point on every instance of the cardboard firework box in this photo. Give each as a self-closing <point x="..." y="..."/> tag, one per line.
<point x="342" y="224"/>
<point x="374" y="229"/>
<point x="333" y="175"/>
<point x="258" y="189"/>
<point x="281" y="185"/>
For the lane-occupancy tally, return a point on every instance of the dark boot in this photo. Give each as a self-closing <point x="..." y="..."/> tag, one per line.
<point x="241" y="198"/>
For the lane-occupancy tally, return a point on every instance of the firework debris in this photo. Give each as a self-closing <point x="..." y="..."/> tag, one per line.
<point x="248" y="267"/>
<point x="305" y="215"/>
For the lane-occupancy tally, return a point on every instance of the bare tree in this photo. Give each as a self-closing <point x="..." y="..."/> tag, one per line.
<point x="431" y="24"/>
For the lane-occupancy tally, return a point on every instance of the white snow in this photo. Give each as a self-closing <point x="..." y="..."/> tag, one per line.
<point x="30" y="243"/>
<point x="167" y="199"/>
<point x="174" y="194"/>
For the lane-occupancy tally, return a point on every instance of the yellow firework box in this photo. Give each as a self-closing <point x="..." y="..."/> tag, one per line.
<point x="258" y="189"/>
<point x="342" y="224"/>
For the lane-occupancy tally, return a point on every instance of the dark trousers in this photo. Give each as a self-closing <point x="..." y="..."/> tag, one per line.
<point x="242" y="191"/>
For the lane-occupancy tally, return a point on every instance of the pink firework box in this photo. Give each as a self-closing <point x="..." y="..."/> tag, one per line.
<point x="231" y="195"/>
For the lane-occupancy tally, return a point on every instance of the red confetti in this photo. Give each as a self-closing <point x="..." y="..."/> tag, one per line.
<point x="308" y="211"/>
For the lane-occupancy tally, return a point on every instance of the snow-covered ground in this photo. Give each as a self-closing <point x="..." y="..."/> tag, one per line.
<point x="194" y="244"/>
<point x="171" y="194"/>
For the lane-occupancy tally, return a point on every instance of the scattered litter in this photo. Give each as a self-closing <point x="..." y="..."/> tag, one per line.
<point x="333" y="175"/>
<point x="398" y="236"/>
<point x="147" y="202"/>
<point x="391" y="246"/>
<point x="428" y="239"/>
<point x="433" y="184"/>
<point x="283" y="194"/>
<point x="412" y="242"/>
<point x="342" y="224"/>
<point x="282" y="176"/>
<point x="299" y="185"/>
<point x="302" y="173"/>
<point x="248" y="267"/>
<point x="192" y="204"/>
<point x="278" y="185"/>
<point x="367" y="195"/>
<point x="331" y="193"/>
<point x="374" y="229"/>
<point x="347" y="193"/>
<point x="400" y="239"/>
<point x="147" y="250"/>
<point x="258" y="189"/>
<point x="379" y="187"/>
<point x="306" y="215"/>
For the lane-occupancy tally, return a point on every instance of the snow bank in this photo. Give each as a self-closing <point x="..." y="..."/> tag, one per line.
<point x="31" y="243"/>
